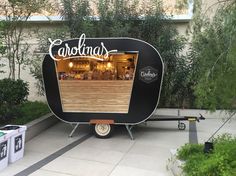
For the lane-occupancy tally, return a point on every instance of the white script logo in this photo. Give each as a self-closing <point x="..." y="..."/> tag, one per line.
<point x="81" y="50"/>
<point x="148" y="74"/>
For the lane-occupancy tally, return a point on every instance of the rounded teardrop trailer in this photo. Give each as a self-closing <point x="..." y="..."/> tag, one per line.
<point x="102" y="81"/>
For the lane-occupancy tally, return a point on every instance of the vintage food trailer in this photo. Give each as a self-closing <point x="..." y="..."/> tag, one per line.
<point x="102" y="81"/>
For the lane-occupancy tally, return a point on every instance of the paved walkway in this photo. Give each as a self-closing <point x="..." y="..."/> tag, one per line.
<point x="84" y="155"/>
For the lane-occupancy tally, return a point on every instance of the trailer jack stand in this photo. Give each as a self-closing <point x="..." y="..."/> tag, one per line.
<point x="73" y="130"/>
<point x="129" y="128"/>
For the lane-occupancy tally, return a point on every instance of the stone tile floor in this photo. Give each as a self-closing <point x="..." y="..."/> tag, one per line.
<point x="147" y="155"/>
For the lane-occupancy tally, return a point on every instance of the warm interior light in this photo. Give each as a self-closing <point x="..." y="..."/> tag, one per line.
<point x="71" y="64"/>
<point x="109" y="64"/>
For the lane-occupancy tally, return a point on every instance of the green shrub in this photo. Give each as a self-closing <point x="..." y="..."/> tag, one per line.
<point x="189" y="149"/>
<point x="29" y="111"/>
<point x="221" y="162"/>
<point x="12" y="94"/>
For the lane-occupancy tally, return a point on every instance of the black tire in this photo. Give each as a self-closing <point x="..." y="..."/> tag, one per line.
<point x="103" y="130"/>
<point x="181" y="126"/>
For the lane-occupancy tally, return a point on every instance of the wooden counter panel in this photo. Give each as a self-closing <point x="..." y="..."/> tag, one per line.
<point x="95" y="95"/>
<point x="118" y="109"/>
<point x="95" y="83"/>
<point x="89" y="90"/>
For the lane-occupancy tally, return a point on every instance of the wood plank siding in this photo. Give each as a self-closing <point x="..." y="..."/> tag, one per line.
<point x="95" y="95"/>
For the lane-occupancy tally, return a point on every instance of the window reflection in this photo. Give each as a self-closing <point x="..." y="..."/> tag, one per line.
<point x="119" y="66"/>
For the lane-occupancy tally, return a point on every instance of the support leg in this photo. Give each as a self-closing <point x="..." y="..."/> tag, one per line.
<point x="129" y="127"/>
<point x="72" y="132"/>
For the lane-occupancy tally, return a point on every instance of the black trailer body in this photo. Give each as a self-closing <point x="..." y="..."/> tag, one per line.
<point x="145" y="90"/>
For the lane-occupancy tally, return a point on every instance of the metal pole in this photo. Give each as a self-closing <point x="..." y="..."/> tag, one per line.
<point x="129" y="131"/>
<point x="220" y="127"/>
<point x="72" y="132"/>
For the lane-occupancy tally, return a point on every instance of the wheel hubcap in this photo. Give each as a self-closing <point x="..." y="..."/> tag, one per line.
<point x="102" y="129"/>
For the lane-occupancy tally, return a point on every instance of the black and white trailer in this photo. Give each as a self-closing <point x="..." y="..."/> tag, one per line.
<point x="104" y="82"/>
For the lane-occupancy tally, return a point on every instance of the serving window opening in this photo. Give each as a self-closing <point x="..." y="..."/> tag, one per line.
<point x="96" y="85"/>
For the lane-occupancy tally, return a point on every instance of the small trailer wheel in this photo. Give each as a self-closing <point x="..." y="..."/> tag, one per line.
<point x="103" y="130"/>
<point x="181" y="126"/>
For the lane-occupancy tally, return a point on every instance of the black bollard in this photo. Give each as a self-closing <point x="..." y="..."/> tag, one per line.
<point x="208" y="147"/>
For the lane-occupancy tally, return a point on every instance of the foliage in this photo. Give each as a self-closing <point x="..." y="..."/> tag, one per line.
<point x="2" y="47"/>
<point x="29" y="111"/>
<point x="182" y="4"/>
<point x="123" y="18"/>
<point x="36" y="62"/>
<point x="26" y="112"/>
<point x="189" y="149"/>
<point x="116" y="19"/>
<point x="77" y="14"/>
<point x="12" y="94"/>
<point x="213" y="53"/>
<point x="16" y="13"/>
<point x="36" y="72"/>
<point x="221" y="162"/>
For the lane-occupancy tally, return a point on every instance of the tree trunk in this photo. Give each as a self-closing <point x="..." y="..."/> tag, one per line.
<point x="19" y="71"/>
<point x="10" y="70"/>
<point x="13" y="69"/>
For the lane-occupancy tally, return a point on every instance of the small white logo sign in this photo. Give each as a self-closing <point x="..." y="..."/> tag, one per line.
<point x="148" y="74"/>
